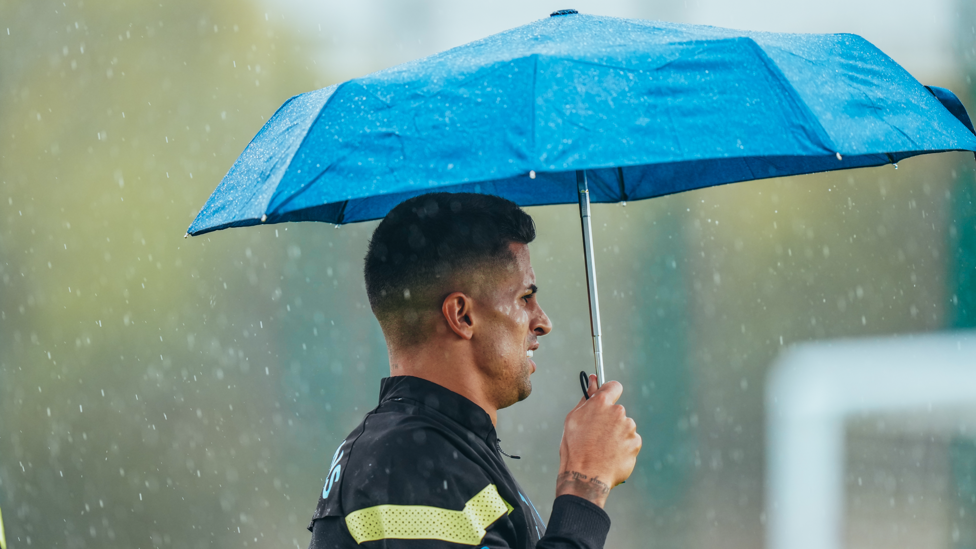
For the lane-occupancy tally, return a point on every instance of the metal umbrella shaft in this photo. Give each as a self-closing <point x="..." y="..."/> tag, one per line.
<point x="584" y="206"/>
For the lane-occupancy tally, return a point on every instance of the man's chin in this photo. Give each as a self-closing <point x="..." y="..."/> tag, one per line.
<point x="524" y="390"/>
<point x="525" y="384"/>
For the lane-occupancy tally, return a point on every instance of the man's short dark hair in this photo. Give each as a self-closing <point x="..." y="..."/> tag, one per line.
<point x="423" y="247"/>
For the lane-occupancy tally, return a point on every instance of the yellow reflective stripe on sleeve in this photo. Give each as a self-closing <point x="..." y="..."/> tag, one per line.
<point x="3" y="537"/>
<point x="422" y="522"/>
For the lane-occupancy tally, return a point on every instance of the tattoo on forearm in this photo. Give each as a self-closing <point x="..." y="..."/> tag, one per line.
<point x="591" y="486"/>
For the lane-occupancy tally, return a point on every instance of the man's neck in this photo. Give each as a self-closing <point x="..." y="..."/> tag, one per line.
<point x="448" y="366"/>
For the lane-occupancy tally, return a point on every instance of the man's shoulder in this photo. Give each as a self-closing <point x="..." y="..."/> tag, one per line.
<point x="394" y="458"/>
<point x="393" y="447"/>
<point x="394" y="434"/>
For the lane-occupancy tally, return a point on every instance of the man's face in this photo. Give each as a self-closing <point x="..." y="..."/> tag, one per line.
<point x="512" y="322"/>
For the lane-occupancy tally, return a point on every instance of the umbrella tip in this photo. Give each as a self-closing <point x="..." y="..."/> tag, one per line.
<point x="562" y="12"/>
<point x="264" y="217"/>
<point x="187" y="235"/>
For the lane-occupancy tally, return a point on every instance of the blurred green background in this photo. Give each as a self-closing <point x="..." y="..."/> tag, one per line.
<point x="157" y="391"/>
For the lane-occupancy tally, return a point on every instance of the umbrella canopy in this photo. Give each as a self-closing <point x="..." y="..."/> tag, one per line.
<point x="645" y="108"/>
<point x="578" y="108"/>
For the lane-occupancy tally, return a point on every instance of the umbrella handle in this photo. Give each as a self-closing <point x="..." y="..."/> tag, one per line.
<point x="584" y="205"/>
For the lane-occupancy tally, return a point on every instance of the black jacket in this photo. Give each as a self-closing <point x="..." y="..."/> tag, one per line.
<point x="424" y="469"/>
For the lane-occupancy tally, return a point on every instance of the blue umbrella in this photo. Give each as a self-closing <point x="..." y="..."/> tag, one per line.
<point x="580" y="108"/>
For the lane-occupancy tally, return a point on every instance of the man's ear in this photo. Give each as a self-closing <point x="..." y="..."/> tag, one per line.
<point x="457" y="311"/>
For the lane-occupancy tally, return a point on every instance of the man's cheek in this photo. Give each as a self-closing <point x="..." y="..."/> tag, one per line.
<point x="503" y="309"/>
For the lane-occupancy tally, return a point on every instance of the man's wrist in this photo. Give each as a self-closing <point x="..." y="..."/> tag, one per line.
<point x="589" y="487"/>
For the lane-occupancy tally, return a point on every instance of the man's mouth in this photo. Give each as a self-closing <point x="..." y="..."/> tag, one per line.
<point x="528" y="353"/>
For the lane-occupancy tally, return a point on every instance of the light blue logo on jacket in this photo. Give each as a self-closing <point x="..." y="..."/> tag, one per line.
<point x="334" y="471"/>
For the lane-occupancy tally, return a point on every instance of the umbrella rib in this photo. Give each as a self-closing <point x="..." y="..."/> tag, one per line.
<point x="620" y="182"/>
<point x="792" y="95"/>
<point x="304" y="188"/>
<point x="301" y="144"/>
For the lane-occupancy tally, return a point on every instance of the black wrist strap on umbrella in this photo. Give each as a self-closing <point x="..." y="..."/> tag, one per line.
<point x="585" y="384"/>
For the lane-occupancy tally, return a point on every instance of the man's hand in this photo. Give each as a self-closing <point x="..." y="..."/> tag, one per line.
<point x="599" y="447"/>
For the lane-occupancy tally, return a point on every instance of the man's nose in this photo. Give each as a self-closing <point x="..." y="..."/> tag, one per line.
<point x="542" y="324"/>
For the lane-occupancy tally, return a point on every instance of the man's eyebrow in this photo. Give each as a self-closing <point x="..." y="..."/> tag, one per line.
<point x="533" y="288"/>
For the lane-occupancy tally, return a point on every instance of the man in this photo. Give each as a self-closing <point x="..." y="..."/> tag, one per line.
<point x="449" y="279"/>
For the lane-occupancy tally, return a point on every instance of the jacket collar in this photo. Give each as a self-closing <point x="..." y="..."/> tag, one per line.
<point x="431" y="395"/>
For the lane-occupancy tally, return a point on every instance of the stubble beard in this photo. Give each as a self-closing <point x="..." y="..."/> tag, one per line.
<point x="523" y="383"/>
<point x="517" y="387"/>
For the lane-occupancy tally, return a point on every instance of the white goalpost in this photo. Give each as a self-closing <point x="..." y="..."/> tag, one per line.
<point x="812" y="391"/>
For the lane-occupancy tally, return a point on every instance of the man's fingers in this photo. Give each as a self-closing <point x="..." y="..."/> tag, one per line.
<point x="591" y="390"/>
<point x="611" y="391"/>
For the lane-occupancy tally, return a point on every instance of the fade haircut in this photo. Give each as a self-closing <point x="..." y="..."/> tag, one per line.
<point x="432" y="245"/>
